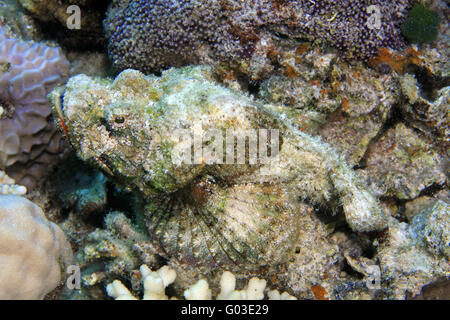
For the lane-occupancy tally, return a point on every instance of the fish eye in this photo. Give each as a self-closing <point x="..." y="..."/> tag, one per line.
<point x="119" y="120"/>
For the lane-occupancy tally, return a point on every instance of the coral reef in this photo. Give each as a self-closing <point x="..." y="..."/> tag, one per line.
<point x="120" y="244"/>
<point x="436" y="55"/>
<point x="305" y="149"/>
<point x="155" y="283"/>
<point x="128" y="127"/>
<point x="154" y="35"/>
<point x="32" y="244"/>
<point x="346" y="104"/>
<point x="187" y="206"/>
<point x="29" y="142"/>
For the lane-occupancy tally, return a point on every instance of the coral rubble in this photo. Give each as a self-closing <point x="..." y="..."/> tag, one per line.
<point x="402" y="164"/>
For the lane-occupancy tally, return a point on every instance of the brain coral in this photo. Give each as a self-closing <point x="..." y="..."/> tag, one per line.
<point x="28" y="140"/>
<point x="31" y="248"/>
<point x="153" y="35"/>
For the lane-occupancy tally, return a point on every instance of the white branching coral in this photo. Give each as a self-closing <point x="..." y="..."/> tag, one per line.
<point x="155" y="283"/>
<point x="253" y="291"/>
<point x="199" y="291"/>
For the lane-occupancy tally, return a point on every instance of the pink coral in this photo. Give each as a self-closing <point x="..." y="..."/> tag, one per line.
<point x="29" y="141"/>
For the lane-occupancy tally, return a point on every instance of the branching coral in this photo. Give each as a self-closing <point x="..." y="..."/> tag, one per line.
<point x="155" y="283"/>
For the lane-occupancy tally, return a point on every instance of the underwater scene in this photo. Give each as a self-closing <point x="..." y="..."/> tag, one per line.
<point x="224" y="150"/>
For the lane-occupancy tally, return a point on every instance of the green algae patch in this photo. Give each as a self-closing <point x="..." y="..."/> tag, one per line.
<point x="422" y="25"/>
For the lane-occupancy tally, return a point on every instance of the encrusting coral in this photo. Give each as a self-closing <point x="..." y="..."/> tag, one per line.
<point x="239" y="215"/>
<point x="154" y="35"/>
<point x="155" y="283"/>
<point x="346" y="104"/>
<point x="29" y="141"/>
<point x="33" y="250"/>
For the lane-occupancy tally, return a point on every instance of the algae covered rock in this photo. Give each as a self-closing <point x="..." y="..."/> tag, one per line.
<point x="429" y="115"/>
<point x="346" y="104"/>
<point x="366" y="100"/>
<point x="437" y="231"/>
<point x="402" y="163"/>
<point x="416" y="254"/>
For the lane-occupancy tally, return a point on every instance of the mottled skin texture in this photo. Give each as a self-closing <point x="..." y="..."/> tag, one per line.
<point x="234" y="215"/>
<point x="153" y="35"/>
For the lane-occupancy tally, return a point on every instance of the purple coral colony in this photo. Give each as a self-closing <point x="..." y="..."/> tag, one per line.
<point x="116" y="179"/>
